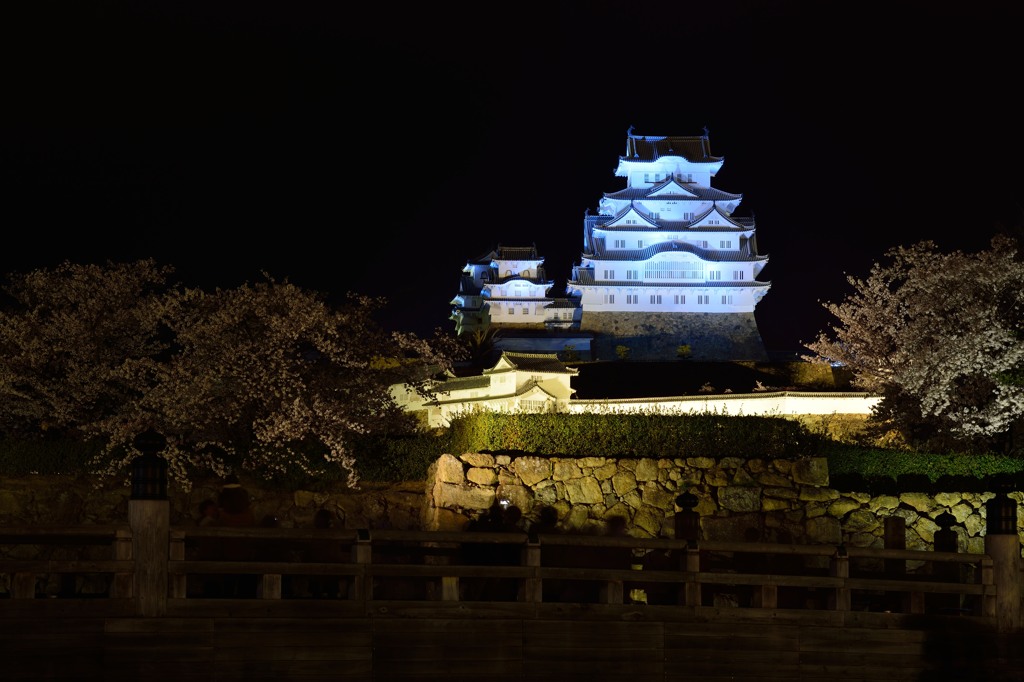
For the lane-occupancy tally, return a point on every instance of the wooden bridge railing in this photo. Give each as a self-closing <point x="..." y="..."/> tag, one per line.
<point x="381" y="565"/>
<point x="71" y="543"/>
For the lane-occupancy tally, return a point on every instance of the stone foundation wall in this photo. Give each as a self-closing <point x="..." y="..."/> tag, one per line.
<point x="775" y="500"/>
<point x="61" y="500"/>
<point x="772" y="499"/>
<point x="656" y="336"/>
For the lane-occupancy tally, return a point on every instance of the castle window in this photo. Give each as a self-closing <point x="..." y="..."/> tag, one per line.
<point x="725" y="244"/>
<point x="703" y="300"/>
<point x="680" y="299"/>
<point x="737" y="274"/>
<point x="609" y="274"/>
<point x="632" y="299"/>
<point x="727" y="300"/>
<point x="656" y="299"/>
<point x="714" y="274"/>
<point x="620" y="243"/>
<point x="674" y="270"/>
<point x="640" y="243"/>
<point x="609" y="298"/>
<point x="632" y="274"/>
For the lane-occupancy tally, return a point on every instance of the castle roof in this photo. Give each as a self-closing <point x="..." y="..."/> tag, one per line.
<point x="468" y="286"/>
<point x="701" y="193"/>
<point x="532" y="362"/>
<point x="696" y="148"/>
<point x="563" y="303"/>
<point x="516" y="253"/>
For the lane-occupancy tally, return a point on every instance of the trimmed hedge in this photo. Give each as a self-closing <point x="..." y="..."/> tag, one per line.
<point x="889" y="471"/>
<point x="631" y="435"/>
<point x="407" y="458"/>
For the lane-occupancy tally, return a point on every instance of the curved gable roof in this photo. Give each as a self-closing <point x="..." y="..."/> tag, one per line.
<point x="694" y="193"/>
<point x="531" y="362"/>
<point x="672" y="188"/>
<point x="695" y="223"/>
<point x="631" y="209"/>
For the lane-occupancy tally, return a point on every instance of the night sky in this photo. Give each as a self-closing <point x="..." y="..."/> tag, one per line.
<point x="377" y="150"/>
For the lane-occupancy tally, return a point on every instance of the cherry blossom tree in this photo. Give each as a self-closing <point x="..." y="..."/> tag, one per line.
<point x="77" y="342"/>
<point x="267" y="377"/>
<point x="939" y="336"/>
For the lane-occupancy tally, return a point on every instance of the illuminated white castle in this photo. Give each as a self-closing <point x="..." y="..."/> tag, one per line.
<point x="666" y="263"/>
<point x="507" y="288"/>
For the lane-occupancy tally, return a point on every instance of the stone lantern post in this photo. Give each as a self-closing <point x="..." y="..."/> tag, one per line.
<point x="149" y="516"/>
<point x="149" y="470"/>
<point x="1002" y="543"/>
<point x="687" y="521"/>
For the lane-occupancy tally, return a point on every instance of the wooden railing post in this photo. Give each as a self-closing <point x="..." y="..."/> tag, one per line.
<point x="986" y="576"/>
<point x="270" y="586"/>
<point x="177" y="553"/>
<point x="23" y="586"/>
<point x="692" y="586"/>
<point x="1002" y="543"/>
<point x="533" y="590"/>
<point x="767" y="597"/>
<point x="945" y="540"/>
<point x="150" y="521"/>
<point x="450" y="588"/>
<point x="611" y="592"/>
<point x="362" y="582"/>
<point x="121" y="587"/>
<point x="895" y="530"/>
<point x="149" y="516"/>
<point x="841" y="569"/>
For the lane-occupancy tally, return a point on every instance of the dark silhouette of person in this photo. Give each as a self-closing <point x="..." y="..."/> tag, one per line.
<point x="273" y="549"/>
<point x="206" y="549"/>
<point x="208" y="513"/>
<point x="619" y="557"/>
<point x="580" y="591"/>
<point x="497" y="519"/>
<point x="326" y="551"/>
<point x="512" y="519"/>
<point x="550" y="554"/>
<point x="546" y="523"/>
<point x="236" y="512"/>
<point x="750" y="563"/>
<point x="235" y="505"/>
<point x="661" y="593"/>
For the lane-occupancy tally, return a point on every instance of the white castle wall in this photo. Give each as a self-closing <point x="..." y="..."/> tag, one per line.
<point x="779" y="403"/>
